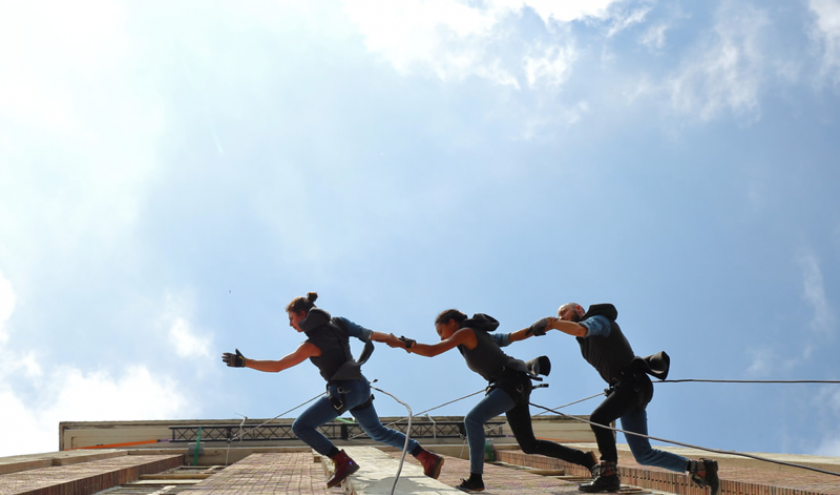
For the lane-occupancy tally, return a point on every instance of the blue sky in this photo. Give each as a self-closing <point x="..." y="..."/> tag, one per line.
<point x="172" y="175"/>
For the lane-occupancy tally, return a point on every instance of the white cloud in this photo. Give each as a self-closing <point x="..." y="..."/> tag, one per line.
<point x="30" y="424"/>
<point x="551" y="10"/>
<point x="625" y="21"/>
<point x="813" y="292"/>
<point x="552" y="67"/>
<point x="763" y="361"/>
<point x="453" y="39"/>
<point x="30" y="365"/>
<point x="137" y="394"/>
<point x="186" y="342"/>
<point x="184" y="338"/>
<point x="826" y="32"/>
<point x="46" y="38"/>
<point x="725" y="72"/>
<point x="541" y="126"/>
<point x="828" y="400"/>
<point x="829" y="447"/>
<point x="654" y="37"/>
<point x="82" y="127"/>
<point x="7" y="307"/>
<point x="76" y="396"/>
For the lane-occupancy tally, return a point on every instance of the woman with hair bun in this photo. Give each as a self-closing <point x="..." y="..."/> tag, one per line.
<point x="509" y="387"/>
<point x="327" y="346"/>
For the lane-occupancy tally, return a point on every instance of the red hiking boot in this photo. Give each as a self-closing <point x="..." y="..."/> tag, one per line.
<point x="344" y="467"/>
<point x="432" y="463"/>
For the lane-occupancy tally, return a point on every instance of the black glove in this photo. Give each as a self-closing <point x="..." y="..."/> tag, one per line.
<point x="409" y="343"/>
<point x="234" y="360"/>
<point x="538" y="328"/>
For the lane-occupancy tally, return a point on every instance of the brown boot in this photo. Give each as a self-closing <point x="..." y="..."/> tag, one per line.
<point x="344" y="467"/>
<point x="432" y="463"/>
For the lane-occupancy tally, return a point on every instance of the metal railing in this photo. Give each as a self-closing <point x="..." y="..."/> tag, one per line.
<point x="334" y="430"/>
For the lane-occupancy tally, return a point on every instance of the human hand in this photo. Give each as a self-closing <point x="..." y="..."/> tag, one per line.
<point x="234" y="360"/>
<point x="539" y="327"/>
<point x="407" y="342"/>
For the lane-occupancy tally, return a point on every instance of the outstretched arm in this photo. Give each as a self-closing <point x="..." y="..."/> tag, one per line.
<point x="543" y="325"/>
<point x="305" y="351"/>
<point x="387" y="338"/>
<point x="464" y="336"/>
<point x="569" y="327"/>
<point x="364" y="334"/>
<point x="521" y="335"/>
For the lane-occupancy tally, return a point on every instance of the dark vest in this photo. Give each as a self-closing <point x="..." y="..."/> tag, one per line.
<point x="487" y="359"/>
<point x="608" y="355"/>
<point x="327" y="334"/>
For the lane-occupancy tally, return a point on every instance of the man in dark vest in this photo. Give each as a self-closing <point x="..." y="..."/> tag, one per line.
<point x="605" y="347"/>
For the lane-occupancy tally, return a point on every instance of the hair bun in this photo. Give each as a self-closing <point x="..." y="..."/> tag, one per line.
<point x="311" y="296"/>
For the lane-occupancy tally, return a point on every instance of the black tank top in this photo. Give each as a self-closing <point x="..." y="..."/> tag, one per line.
<point x="608" y="355"/>
<point x="487" y="359"/>
<point x="334" y="342"/>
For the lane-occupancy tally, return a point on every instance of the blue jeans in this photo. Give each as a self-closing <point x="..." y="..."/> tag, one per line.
<point x="627" y="402"/>
<point x="636" y="421"/>
<point x="356" y="392"/>
<point x="519" y="418"/>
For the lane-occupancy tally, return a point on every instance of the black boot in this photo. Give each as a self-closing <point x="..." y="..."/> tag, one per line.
<point x="607" y="479"/>
<point x="703" y="473"/>
<point x="472" y="485"/>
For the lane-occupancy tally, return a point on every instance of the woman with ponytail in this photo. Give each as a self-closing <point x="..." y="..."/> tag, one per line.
<point x="510" y="387"/>
<point x="327" y="346"/>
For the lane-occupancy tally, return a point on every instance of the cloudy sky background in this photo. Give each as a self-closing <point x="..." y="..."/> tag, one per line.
<point x="171" y="175"/>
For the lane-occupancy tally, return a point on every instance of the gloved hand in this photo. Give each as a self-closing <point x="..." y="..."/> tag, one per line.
<point x="539" y="327"/>
<point x="409" y="343"/>
<point x="234" y="360"/>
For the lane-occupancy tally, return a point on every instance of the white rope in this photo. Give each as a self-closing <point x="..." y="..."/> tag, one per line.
<point x="392" y="423"/>
<point x="725" y="452"/>
<point x="241" y="423"/>
<point x="241" y="435"/>
<point x="573" y="403"/>
<point x="698" y="380"/>
<point x="407" y="436"/>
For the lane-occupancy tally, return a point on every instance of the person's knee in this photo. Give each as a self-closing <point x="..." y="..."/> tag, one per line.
<point x="600" y="418"/>
<point x="528" y="446"/>
<point x="645" y="458"/>
<point x="473" y="420"/>
<point x="643" y="454"/>
<point x="377" y="434"/>
<point x="299" y="427"/>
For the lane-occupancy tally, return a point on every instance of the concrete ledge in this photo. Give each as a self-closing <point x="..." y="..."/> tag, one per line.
<point x="85" y="478"/>
<point x="20" y="463"/>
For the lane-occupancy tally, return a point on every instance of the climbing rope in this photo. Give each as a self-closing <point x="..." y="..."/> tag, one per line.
<point x="725" y="452"/>
<point x="698" y="380"/>
<point x="392" y="423"/>
<point x="407" y="436"/>
<point x="573" y="403"/>
<point x="241" y="435"/>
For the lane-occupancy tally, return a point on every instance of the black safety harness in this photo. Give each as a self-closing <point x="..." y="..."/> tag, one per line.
<point x="336" y="364"/>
